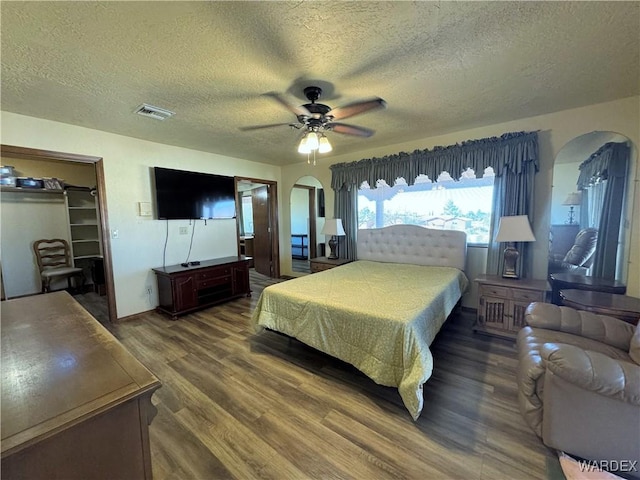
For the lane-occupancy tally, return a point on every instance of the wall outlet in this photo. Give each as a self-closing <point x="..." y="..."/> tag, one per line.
<point x="115" y="233"/>
<point x="184" y="230"/>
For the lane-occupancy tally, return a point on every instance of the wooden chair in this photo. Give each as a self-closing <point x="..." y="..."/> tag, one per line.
<point x="54" y="262"/>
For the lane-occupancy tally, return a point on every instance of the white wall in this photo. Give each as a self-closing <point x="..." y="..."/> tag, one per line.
<point x="127" y="166"/>
<point x="555" y="130"/>
<point x="299" y="207"/>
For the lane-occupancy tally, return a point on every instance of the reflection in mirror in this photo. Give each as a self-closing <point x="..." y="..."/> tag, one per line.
<point x="307" y="201"/>
<point x="587" y="206"/>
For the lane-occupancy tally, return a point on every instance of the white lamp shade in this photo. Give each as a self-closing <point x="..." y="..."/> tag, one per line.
<point x="515" y="228"/>
<point x="574" y="198"/>
<point x="323" y="145"/>
<point x="312" y="140"/>
<point x="333" y="226"/>
<point x="304" y="146"/>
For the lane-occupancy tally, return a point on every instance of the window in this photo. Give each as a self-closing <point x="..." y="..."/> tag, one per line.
<point x="247" y="215"/>
<point x="465" y="204"/>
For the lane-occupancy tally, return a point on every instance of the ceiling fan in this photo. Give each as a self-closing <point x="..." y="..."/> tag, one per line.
<point x="316" y="118"/>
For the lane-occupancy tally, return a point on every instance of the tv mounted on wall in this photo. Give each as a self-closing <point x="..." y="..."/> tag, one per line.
<point x="183" y="195"/>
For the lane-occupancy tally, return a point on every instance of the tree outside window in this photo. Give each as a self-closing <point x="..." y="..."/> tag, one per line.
<point x="464" y="204"/>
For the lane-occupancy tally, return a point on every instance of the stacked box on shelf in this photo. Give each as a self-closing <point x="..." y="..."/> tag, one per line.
<point x="29" y="182"/>
<point x="7" y="176"/>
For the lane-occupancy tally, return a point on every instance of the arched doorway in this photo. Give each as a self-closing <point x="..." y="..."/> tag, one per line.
<point x="307" y="216"/>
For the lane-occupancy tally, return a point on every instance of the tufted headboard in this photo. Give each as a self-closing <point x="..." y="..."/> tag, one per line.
<point x="413" y="244"/>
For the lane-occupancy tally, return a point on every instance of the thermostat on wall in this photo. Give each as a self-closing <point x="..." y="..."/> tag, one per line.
<point x="144" y="209"/>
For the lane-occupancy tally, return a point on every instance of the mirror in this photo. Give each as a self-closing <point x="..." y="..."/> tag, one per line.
<point x="307" y="218"/>
<point x="579" y="242"/>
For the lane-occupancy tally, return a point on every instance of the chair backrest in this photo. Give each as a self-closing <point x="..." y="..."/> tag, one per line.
<point x="584" y="246"/>
<point x="52" y="253"/>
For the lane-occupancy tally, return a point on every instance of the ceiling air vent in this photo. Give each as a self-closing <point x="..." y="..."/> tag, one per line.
<point x="158" y="113"/>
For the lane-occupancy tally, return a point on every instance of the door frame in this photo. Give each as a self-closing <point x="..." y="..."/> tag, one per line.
<point x="272" y="198"/>
<point x="313" y="231"/>
<point x="98" y="162"/>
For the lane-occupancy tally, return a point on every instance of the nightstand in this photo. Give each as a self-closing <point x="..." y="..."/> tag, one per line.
<point x="503" y="301"/>
<point x="319" y="264"/>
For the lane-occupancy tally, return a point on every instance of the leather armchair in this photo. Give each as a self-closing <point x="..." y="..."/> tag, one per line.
<point x="579" y="257"/>
<point x="579" y="382"/>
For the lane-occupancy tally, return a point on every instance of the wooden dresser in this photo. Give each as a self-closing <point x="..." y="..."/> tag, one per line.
<point x="502" y="303"/>
<point x="75" y="403"/>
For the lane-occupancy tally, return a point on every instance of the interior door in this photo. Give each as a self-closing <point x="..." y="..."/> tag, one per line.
<point x="262" y="258"/>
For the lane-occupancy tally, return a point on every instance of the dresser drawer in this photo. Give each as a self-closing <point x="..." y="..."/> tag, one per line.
<point x="209" y="274"/>
<point x="527" y="295"/>
<point x="495" y="291"/>
<point x="212" y="282"/>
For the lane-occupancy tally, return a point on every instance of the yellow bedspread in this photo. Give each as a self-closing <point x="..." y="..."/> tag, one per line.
<point x="379" y="317"/>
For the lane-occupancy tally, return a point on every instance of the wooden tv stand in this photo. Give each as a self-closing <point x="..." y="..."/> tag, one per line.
<point x="185" y="289"/>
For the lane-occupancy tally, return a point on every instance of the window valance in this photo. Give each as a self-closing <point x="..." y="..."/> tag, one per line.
<point x="509" y="152"/>
<point x="608" y="160"/>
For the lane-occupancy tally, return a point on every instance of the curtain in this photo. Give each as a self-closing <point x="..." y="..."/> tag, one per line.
<point x="513" y="156"/>
<point x="611" y="162"/>
<point x="510" y="151"/>
<point x="594" y="195"/>
<point x="346" y="208"/>
<point x="583" y="220"/>
<point x="512" y="195"/>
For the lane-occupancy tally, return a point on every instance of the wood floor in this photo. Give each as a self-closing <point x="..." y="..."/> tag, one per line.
<point x="300" y="265"/>
<point x="243" y="406"/>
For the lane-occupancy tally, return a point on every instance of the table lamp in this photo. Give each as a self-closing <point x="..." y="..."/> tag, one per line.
<point x="512" y="229"/>
<point x="573" y="199"/>
<point x="333" y="227"/>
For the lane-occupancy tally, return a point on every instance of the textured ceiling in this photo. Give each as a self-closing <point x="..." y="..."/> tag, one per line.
<point x="440" y="66"/>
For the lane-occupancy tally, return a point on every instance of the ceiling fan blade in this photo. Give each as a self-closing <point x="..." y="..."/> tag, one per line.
<point x="260" y="127"/>
<point x="296" y="109"/>
<point x="349" y="129"/>
<point x="357" y="108"/>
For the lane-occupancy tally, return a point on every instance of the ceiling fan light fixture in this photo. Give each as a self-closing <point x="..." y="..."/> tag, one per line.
<point x="312" y="140"/>
<point x="323" y="145"/>
<point x="304" y="146"/>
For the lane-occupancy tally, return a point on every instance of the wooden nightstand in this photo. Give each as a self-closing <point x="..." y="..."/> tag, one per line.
<point x="319" y="264"/>
<point x="502" y="303"/>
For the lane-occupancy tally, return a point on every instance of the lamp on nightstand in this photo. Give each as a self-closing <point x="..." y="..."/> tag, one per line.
<point x="333" y="227"/>
<point x="512" y="229"/>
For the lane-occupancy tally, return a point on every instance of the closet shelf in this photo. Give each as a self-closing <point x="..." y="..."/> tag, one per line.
<point x="30" y="190"/>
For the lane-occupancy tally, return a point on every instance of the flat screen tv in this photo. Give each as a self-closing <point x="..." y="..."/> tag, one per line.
<point x="183" y="195"/>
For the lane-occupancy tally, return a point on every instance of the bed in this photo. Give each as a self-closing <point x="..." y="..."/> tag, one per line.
<point x="381" y="312"/>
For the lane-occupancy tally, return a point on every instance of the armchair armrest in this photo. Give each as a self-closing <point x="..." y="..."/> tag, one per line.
<point x="593" y="371"/>
<point x="609" y="330"/>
